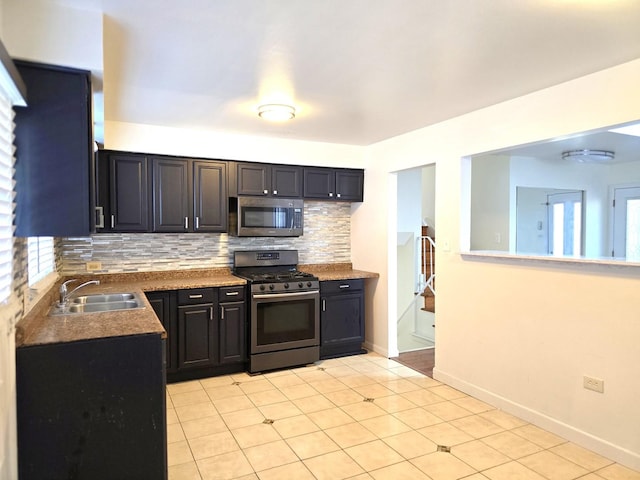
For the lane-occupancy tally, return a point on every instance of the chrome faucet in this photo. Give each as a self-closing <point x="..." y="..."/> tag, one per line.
<point x="65" y="294"/>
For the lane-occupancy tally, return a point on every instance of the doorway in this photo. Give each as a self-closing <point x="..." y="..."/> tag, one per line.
<point x="415" y="221"/>
<point x="626" y="223"/>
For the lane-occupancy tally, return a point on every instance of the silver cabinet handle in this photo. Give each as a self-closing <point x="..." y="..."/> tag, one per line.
<point x="275" y="192"/>
<point x="345" y="285"/>
<point x="113" y="221"/>
<point x="331" y="194"/>
<point x="324" y="305"/>
<point x="338" y="195"/>
<point x="195" y="296"/>
<point x="99" y="217"/>
<point x="221" y="313"/>
<point x="265" y="192"/>
<point x="210" y="313"/>
<point x="232" y="294"/>
<point x="197" y="223"/>
<point x="186" y="222"/>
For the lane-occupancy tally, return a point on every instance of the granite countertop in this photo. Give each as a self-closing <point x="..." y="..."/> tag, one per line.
<point x="336" y="271"/>
<point x="38" y="328"/>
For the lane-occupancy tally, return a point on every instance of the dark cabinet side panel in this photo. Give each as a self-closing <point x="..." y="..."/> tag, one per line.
<point x="164" y="306"/>
<point x="54" y="151"/>
<point x="93" y="409"/>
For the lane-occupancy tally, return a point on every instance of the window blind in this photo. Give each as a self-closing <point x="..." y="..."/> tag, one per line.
<point x="6" y="196"/>
<point x="40" y="257"/>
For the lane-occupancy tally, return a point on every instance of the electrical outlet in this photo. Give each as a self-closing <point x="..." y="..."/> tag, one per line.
<point x="93" y="266"/>
<point x="497" y="237"/>
<point x="595" y="384"/>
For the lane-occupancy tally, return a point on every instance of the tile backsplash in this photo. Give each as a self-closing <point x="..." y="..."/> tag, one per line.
<point x="326" y="239"/>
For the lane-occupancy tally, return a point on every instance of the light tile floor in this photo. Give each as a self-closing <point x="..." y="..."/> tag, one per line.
<point x="359" y="417"/>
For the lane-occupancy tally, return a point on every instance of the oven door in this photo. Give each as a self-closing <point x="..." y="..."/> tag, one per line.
<point x="281" y="321"/>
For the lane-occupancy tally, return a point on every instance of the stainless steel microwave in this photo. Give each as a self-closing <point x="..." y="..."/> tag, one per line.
<point x="267" y="217"/>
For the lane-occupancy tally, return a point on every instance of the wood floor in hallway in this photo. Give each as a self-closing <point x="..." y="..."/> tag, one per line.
<point x="420" y="360"/>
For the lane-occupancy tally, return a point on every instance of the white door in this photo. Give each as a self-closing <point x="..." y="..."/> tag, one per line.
<point x="565" y="223"/>
<point x="626" y="223"/>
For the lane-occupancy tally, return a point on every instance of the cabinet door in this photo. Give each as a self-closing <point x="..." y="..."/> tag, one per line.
<point x="54" y="153"/>
<point x="128" y="194"/>
<point x="253" y="179"/>
<point x="210" y="196"/>
<point x="286" y="181"/>
<point x="164" y="305"/>
<point x="171" y="190"/>
<point x="319" y="183"/>
<point x="232" y="332"/>
<point x="197" y="338"/>
<point x="341" y="324"/>
<point x="349" y="185"/>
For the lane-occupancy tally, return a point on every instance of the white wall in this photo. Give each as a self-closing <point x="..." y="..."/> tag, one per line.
<point x="212" y="144"/>
<point x="490" y="203"/>
<point x="526" y="331"/>
<point x="42" y="31"/>
<point x="429" y="196"/>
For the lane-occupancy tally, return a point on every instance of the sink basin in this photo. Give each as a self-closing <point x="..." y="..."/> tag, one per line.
<point x="104" y="297"/>
<point x="100" y="302"/>
<point x="90" y="307"/>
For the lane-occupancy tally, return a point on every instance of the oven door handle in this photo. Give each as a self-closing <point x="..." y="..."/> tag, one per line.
<point x="294" y="294"/>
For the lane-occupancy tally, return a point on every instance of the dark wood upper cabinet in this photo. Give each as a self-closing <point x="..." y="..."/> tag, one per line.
<point x="54" y="153"/>
<point x="333" y="184"/>
<point x="286" y="181"/>
<point x="210" y="196"/>
<point x="189" y="195"/>
<point x="122" y="198"/>
<point x="171" y="188"/>
<point x="257" y="179"/>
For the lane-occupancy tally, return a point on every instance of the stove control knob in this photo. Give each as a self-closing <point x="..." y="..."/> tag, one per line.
<point x="262" y="287"/>
<point x="308" y="284"/>
<point x="286" y="285"/>
<point x="300" y="285"/>
<point x="271" y="287"/>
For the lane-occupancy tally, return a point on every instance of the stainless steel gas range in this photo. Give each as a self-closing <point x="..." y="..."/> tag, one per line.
<point x="284" y="311"/>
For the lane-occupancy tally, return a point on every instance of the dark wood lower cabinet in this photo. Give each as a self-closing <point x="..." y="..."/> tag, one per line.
<point x="341" y="318"/>
<point x="206" y="330"/>
<point x="92" y="409"/>
<point x="197" y="337"/>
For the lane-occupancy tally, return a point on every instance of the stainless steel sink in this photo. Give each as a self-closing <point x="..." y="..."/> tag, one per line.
<point x="101" y="302"/>
<point x="104" y="298"/>
<point x="102" y="307"/>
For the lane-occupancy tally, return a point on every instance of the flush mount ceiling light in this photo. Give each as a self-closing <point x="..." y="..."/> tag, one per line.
<point x="276" y="112"/>
<point x="588" y="156"/>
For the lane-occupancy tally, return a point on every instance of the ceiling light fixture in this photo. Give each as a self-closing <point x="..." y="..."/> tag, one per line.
<point x="276" y="112"/>
<point x="588" y="156"/>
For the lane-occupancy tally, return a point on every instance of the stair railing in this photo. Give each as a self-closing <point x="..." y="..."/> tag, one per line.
<point x="427" y="249"/>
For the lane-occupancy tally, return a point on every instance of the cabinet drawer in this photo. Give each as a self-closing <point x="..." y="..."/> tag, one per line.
<point x="337" y="286"/>
<point x="231" y="294"/>
<point x="195" y="296"/>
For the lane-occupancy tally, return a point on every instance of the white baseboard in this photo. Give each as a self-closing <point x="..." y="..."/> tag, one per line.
<point x="378" y="349"/>
<point x="579" y="437"/>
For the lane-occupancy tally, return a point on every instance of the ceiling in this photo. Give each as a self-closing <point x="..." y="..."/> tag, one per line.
<point x="358" y="71"/>
<point x="626" y="147"/>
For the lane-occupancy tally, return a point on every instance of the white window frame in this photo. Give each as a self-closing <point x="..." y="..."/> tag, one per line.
<point x="40" y="257"/>
<point x="6" y="197"/>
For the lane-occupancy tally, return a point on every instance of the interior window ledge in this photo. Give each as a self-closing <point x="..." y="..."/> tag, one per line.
<point x="498" y="256"/>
